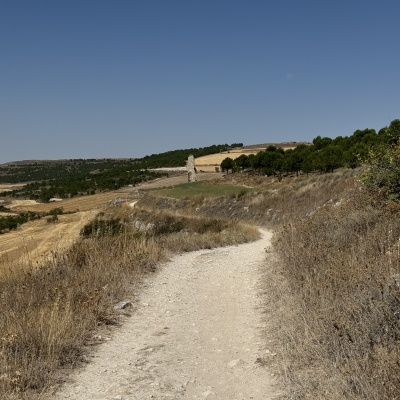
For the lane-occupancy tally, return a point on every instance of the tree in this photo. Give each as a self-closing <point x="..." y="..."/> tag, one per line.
<point x="393" y="132"/>
<point x="243" y="162"/>
<point x="227" y="164"/>
<point x="320" y="143"/>
<point x="331" y="158"/>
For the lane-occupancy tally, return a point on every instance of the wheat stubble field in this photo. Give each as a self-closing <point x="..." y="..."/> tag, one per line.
<point x="34" y="241"/>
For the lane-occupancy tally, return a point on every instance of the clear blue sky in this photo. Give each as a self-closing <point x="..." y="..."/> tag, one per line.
<point x="119" y="78"/>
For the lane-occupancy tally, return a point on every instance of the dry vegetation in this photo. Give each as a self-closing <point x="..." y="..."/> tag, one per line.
<point x="83" y="203"/>
<point x="339" y="318"/>
<point x="51" y="313"/>
<point x="32" y="242"/>
<point x="255" y="199"/>
<point x="335" y="284"/>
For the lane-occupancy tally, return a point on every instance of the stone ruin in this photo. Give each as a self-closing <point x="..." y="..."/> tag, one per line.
<point x="192" y="173"/>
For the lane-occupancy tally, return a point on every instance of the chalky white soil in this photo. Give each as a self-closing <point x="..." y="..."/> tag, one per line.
<point x="196" y="334"/>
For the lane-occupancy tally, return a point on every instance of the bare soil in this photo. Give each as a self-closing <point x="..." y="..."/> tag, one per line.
<point x="197" y="332"/>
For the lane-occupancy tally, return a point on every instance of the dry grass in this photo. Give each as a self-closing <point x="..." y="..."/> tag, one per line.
<point x="340" y="330"/>
<point x="49" y="314"/>
<point x="334" y="287"/>
<point x="261" y="201"/>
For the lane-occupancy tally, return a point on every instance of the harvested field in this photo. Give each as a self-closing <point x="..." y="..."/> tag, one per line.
<point x="208" y="163"/>
<point x="35" y="240"/>
<point x="83" y="203"/>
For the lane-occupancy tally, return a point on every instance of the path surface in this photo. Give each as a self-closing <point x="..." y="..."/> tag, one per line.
<point x="196" y="334"/>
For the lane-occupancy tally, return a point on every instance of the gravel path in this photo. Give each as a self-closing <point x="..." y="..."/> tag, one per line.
<point x="196" y="334"/>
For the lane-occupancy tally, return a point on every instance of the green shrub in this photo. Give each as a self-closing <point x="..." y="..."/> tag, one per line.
<point x="100" y="227"/>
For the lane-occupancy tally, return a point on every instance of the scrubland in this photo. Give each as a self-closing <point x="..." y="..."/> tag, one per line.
<point x="334" y="290"/>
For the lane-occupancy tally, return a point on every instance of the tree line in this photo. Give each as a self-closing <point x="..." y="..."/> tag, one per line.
<point x="79" y="177"/>
<point x="178" y="158"/>
<point x="323" y="155"/>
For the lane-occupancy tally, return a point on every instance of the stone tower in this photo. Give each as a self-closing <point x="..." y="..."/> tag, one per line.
<point x="192" y="173"/>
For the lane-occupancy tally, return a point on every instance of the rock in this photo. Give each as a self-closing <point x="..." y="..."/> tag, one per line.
<point x="122" y="305"/>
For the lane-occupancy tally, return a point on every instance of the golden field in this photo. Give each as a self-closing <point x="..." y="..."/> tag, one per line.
<point x="208" y="163"/>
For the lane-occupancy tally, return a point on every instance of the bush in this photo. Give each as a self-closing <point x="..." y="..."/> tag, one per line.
<point x="53" y="219"/>
<point x="382" y="179"/>
<point x="100" y="227"/>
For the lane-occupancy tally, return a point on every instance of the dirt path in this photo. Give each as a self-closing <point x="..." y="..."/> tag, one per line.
<point x="196" y="334"/>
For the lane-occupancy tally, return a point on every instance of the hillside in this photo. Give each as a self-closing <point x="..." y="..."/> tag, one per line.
<point x="331" y="277"/>
<point x="212" y="162"/>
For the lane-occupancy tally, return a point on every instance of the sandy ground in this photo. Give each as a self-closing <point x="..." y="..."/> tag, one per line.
<point x="196" y="333"/>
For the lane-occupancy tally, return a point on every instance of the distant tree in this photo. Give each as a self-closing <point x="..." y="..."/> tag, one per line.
<point x="243" y="162"/>
<point x="227" y="164"/>
<point x="319" y="143"/>
<point x="273" y="149"/>
<point x="331" y="158"/>
<point x="393" y="132"/>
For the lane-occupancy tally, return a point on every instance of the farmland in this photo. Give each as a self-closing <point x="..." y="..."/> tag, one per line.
<point x="36" y="240"/>
<point x="209" y="162"/>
